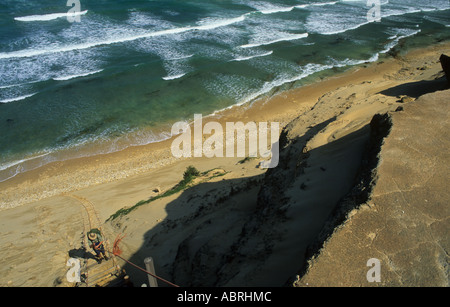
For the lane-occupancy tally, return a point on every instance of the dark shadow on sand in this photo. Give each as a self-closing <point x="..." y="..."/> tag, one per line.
<point x="418" y="88"/>
<point x="197" y="258"/>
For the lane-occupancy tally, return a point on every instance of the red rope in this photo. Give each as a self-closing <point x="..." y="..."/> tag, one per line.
<point x="117" y="252"/>
<point x="162" y="279"/>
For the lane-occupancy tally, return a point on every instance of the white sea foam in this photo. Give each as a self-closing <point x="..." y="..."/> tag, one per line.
<point x="182" y="57"/>
<point x="305" y="72"/>
<point x="402" y="33"/>
<point x="343" y="23"/>
<point x="350" y="62"/>
<point x="13" y="85"/>
<point x="173" y="77"/>
<point x="285" y="38"/>
<point x="328" y="22"/>
<point x="317" y="4"/>
<point x="17" y="98"/>
<point x="268" y="86"/>
<point x="47" y="17"/>
<point x="330" y="29"/>
<point x="64" y="78"/>
<point x="18" y="85"/>
<point x="121" y="39"/>
<point x="277" y="10"/>
<point x="399" y="12"/>
<point x="8" y="86"/>
<point x="246" y="58"/>
<point x="176" y="65"/>
<point x="268" y="8"/>
<point x="14" y="163"/>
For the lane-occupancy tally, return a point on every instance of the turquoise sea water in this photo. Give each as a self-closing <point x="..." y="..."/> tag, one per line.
<point x="129" y="69"/>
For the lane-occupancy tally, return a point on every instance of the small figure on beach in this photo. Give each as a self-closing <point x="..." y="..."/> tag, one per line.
<point x="96" y="243"/>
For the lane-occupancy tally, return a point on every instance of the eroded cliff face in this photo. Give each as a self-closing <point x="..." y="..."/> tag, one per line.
<point x="322" y="159"/>
<point x="404" y="223"/>
<point x="334" y="164"/>
<point x="321" y="155"/>
<point x="350" y="186"/>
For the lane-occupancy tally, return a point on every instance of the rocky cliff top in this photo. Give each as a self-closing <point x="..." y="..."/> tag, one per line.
<point x="405" y="222"/>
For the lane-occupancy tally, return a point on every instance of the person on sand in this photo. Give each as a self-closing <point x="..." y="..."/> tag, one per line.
<point x="96" y="243"/>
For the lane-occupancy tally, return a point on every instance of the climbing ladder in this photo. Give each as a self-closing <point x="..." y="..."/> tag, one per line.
<point x="105" y="274"/>
<point x="108" y="272"/>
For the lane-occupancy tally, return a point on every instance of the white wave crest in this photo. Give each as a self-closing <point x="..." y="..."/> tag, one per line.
<point x="167" y="78"/>
<point x="47" y="17"/>
<point x="286" y="38"/>
<point x="245" y="58"/>
<point x="64" y="78"/>
<point x="202" y="27"/>
<point x="17" y="98"/>
<point x="268" y="8"/>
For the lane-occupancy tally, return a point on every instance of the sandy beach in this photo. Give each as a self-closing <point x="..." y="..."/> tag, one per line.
<point x="42" y="216"/>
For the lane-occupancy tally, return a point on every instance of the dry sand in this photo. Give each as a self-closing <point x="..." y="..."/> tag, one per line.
<point x="39" y="225"/>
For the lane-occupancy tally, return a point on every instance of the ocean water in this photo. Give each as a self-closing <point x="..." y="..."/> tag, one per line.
<point x="129" y="69"/>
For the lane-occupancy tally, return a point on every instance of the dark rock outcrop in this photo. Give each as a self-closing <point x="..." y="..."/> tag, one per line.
<point x="445" y="62"/>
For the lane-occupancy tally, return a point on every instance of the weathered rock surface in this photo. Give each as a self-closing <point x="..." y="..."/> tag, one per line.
<point x="405" y="222"/>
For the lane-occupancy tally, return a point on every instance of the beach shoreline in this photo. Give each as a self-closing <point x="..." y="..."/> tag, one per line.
<point x="74" y="174"/>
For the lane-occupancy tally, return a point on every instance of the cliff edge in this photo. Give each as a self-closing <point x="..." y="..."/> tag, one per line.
<point x="404" y="224"/>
